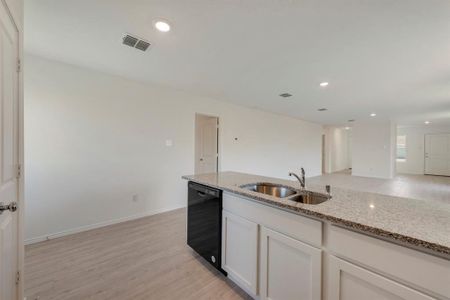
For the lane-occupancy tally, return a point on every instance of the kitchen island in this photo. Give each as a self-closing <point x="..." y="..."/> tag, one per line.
<point x="356" y="244"/>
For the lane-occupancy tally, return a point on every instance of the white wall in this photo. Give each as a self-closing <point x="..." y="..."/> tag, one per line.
<point x="337" y="149"/>
<point x="415" y="147"/>
<point x="373" y="149"/>
<point x="93" y="140"/>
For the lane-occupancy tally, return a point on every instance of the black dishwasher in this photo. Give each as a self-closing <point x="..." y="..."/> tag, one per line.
<point x="204" y="222"/>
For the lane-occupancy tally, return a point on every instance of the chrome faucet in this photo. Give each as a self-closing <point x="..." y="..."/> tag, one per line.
<point x="301" y="180"/>
<point x="328" y="189"/>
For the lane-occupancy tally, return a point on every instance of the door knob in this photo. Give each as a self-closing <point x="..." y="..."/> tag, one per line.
<point x="12" y="207"/>
<point x="201" y="159"/>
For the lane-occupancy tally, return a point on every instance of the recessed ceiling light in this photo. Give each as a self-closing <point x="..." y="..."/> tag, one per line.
<point x="373" y="114"/>
<point x="371" y="205"/>
<point x="427" y="122"/>
<point x="162" y="26"/>
<point x="323" y="84"/>
<point x="322" y="109"/>
<point x="285" y="95"/>
<point x="347" y="128"/>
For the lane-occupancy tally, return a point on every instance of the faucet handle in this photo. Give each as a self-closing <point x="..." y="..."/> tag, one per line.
<point x="303" y="172"/>
<point x="328" y="189"/>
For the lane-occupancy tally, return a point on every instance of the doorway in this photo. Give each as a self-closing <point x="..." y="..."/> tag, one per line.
<point x="206" y="144"/>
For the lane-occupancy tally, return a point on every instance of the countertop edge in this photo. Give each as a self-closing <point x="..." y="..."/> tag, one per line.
<point x="402" y="240"/>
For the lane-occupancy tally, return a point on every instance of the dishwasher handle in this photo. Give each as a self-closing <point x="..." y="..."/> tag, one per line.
<point x="201" y="194"/>
<point x="204" y="191"/>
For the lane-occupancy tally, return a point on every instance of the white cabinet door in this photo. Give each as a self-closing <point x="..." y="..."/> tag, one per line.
<point x="350" y="282"/>
<point x="240" y="251"/>
<point x="290" y="269"/>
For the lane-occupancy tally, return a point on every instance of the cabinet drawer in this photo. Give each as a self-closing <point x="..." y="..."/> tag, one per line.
<point x="416" y="269"/>
<point x="350" y="282"/>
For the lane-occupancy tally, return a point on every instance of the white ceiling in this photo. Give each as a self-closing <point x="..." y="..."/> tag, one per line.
<point x="391" y="57"/>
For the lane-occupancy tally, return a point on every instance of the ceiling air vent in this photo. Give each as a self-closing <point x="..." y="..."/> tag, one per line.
<point x="142" y="45"/>
<point x="285" y="95"/>
<point x="135" y="42"/>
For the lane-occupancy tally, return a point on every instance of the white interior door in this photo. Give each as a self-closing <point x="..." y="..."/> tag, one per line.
<point x="9" y="158"/>
<point x="206" y="153"/>
<point x="437" y="154"/>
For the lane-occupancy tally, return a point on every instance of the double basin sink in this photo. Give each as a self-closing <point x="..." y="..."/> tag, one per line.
<point x="279" y="191"/>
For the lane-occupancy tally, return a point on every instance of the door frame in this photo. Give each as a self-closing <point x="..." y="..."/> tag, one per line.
<point x="15" y="12"/>
<point x="219" y="140"/>
<point x="324" y="171"/>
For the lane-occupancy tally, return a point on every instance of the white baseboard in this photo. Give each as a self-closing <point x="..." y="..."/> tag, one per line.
<point x="97" y="225"/>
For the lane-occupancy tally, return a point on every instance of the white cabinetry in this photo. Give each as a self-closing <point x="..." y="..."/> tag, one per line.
<point x="290" y="269"/>
<point x="278" y="255"/>
<point x="420" y="271"/>
<point x="350" y="282"/>
<point x="240" y="251"/>
<point x="271" y="254"/>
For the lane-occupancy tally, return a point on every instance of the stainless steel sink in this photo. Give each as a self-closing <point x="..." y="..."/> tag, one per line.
<point x="270" y="189"/>
<point x="309" y="197"/>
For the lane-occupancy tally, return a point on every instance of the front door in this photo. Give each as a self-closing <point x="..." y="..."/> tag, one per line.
<point x="437" y="154"/>
<point x="9" y="158"/>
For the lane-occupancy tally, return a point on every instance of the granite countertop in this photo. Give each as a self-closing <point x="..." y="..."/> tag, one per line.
<point x="419" y="224"/>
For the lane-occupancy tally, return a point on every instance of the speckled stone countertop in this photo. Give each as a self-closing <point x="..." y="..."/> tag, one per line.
<point x="419" y="224"/>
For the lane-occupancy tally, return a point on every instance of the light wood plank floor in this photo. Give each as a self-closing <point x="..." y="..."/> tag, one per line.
<point x="421" y="187"/>
<point x="141" y="259"/>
